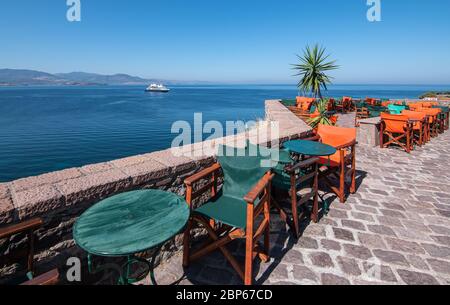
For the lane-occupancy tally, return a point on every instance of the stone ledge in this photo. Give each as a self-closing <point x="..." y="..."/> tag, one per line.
<point x="49" y="178"/>
<point x="33" y="196"/>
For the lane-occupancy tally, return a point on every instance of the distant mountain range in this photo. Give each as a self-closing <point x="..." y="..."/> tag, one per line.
<point x="16" y="77"/>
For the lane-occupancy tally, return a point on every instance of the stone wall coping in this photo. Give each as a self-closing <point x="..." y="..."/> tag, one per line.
<point x="370" y="121"/>
<point x="34" y="196"/>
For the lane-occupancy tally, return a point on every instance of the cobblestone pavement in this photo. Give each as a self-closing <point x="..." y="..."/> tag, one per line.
<point x="394" y="230"/>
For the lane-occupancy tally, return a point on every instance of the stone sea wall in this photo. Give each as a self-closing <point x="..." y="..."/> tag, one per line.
<point x="60" y="197"/>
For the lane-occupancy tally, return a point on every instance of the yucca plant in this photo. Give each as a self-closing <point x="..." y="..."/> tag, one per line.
<point x="313" y="68"/>
<point x="323" y="117"/>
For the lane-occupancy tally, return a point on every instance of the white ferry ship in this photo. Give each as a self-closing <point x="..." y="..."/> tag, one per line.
<point x="157" y="88"/>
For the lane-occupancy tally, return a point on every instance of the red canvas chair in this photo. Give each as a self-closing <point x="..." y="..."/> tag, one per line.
<point x="420" y="127"/>
<point x="343" y="162"/>
<point x="345" y="105"/>
<point x="28" y="228"/>
<point x="396" y="129"/>
<point x="371" y="101"/>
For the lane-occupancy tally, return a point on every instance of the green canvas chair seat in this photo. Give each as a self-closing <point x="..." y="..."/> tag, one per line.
<point x="227" y="210"/>
<point x="241" y="171"/>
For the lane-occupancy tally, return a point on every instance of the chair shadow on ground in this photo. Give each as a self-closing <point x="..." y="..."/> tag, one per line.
<point x="214" y="269"/>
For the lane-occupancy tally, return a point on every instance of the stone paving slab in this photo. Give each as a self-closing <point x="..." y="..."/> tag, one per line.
<point x="394" y="230"/>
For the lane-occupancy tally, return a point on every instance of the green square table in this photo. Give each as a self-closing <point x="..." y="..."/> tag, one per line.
<point x="130" y="223"/>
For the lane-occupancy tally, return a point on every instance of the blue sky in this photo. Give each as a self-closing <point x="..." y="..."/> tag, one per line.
<point x="250" y="41"/>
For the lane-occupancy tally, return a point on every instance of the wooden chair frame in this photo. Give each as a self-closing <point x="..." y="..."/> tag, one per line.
<point x="346" y="166"/>
<point x="395" y="138"/>
<point x="29" y="227"/>
<point x="434" y="132"/>
<point x="300" y="200"/>
<point x="220" y="234"/>
<point x="361" y="113"/>
<point x="344" y="105"/>
<point x="420" y="137"/>
<point x="342" y="171"/>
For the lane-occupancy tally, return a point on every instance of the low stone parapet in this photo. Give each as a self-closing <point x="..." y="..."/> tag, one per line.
<point x="60" y="197"/>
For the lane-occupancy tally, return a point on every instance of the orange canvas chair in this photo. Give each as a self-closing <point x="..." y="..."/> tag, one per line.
<point x="394" y="129"/>
<point x="414" y="106"/>
<point x="304" y="103"/>
<point x="371" y="101"/>
<point x="420" y="127"/>
<point x="343" y="162"/>
<point x="427" y="104"/>
<point x="433" y="114"/>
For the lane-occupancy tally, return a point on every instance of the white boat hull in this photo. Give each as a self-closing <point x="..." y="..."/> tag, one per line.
<point x="157" y="90"/>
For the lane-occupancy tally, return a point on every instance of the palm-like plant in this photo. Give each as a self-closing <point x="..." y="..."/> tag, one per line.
<point x="313" y="68"/>
<point x="323" y="117"/>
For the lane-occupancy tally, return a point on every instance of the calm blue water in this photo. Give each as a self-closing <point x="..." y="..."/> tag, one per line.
<point x="47" y="129"/>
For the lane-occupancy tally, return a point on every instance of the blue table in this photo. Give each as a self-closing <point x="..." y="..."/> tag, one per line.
<point x="130" y="223"/>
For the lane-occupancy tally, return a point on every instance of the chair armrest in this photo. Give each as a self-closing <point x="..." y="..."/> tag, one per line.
<point x="259" y="188"/>
<point x="47" y="279"/>
<point x="20" y="227"/>
<point x="202" y="174"/>
<point x="346" y="145"/>
<point x="314" y="138"/>
<point x="306" y="163"/>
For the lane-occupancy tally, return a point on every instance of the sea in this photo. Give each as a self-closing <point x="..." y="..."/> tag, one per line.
<point x="45" y="129"/>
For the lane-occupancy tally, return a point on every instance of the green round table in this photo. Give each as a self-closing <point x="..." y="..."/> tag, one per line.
<point x="309" y="148"/>
<point x="131" y="223"/>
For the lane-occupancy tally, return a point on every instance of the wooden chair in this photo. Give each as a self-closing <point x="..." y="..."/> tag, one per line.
<point x="434" y="117"/>
<point x="342" y="163"/>
<point x="445" y="122"/>
<point x="28" y="228"/>
<point x="231" y="213"/>
<point x="371" y="101"/>
<point x="396" y="128"/>
<point x="304" y="103"/>
<point x="420" y="127"/>
<point x="301" y="181"/>
<point x="361" y="113"/>
<point x="345" y="105"/>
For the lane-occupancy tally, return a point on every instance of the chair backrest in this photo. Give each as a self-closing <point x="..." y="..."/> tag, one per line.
<point x="347" y="99"/>
<point x="414" y="114"/>
<point x="336" y="136"/>
<point x="305" y="103"/>
<point x="242" y="169"/>
<point x="331" y="104"/>
<point x="370" y="101"/>
<point x="394" y="123"/>
<point x="396" y="109"/>
<point x="414" y="106"/>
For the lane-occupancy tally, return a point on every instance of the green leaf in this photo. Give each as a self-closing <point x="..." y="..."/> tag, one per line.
<point x="311" y="68"/>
